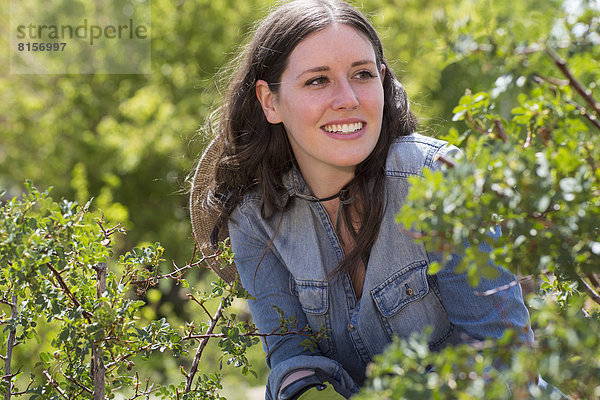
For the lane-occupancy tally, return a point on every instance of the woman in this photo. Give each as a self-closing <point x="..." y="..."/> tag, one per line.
<point x="316" y="142"/>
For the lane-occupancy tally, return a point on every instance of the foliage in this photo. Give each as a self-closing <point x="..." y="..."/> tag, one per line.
<point x="54" y="268"/>
<point x="127" y="140"/>
<point x="531" y="166"/>
<point x="409" y="370"/>
<point x="534" y="172"/>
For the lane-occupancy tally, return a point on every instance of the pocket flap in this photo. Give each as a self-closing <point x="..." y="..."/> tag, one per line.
<point x="405" y="286"/>
<point x="312" y="296"/>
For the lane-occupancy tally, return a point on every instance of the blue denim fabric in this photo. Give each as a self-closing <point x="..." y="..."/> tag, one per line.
<point x="398" y="297"/>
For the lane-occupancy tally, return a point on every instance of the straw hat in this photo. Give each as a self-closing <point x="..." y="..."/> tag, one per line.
<point x="203" y="222"/>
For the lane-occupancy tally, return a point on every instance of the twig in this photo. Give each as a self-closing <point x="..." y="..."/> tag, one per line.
<point x="585" y="113"/>
<point x="175" y="274"/>
<point x="474" y="125"/>
<point x="147" y="390"/>
<point x="76" y="383"/>
<point x="54" y="384"/>
<point x="112" y="365"/>
<point x="254" y="334"/>
<point x="191" y="297"/>
<point x="9" y="348"/>
<point x="529" y="135"/>
<point x="274" y="332"/>
<point x="551" y="80"/>
<point x="499" y="130"/>
<point x="574" y="83"/>
<point x="203" y="342"/>
<point x="99" y="370"/>
<point x="497" y="289"/>
<point x="446" y="161"/>
<point x="26" y="389"/>
<point x="594" y="279"/>
<point x="590" y="290"/>
<point x="65" y="289"/>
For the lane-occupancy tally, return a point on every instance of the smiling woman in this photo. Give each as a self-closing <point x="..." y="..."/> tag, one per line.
<point x="330" y="101"/>
<point x="314" y="146"/>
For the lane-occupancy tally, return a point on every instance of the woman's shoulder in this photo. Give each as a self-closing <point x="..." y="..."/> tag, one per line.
<point x="409" y="154"/>
<point x="250" y="203"/>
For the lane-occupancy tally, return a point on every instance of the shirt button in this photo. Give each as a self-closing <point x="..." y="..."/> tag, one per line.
<point x="409" y="291"/>
<point x="350" y="327"/>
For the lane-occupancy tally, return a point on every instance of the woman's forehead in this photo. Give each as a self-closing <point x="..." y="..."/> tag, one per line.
<point x="336" y="43"/>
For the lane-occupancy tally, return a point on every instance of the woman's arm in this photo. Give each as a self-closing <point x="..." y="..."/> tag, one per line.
<point x="270" y="285"/>
<point x="487" y="310"/>
<point x="484" y="311"/>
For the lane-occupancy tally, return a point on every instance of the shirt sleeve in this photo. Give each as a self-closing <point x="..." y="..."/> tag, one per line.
<point x="494" y="305"/>
<point x="265" y="277"/>
<point x="484" y="311"/>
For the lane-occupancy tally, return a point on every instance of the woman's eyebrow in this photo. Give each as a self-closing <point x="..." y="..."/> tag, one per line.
<point x="362" y="62"/>
<point x="326" y="68"/>
<point x="315" y="69"/>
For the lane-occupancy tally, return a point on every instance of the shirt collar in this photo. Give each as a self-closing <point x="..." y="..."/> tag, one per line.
<point x="296" y="186"/>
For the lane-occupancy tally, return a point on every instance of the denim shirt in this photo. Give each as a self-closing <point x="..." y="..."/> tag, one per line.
<point x="398" y="297"/>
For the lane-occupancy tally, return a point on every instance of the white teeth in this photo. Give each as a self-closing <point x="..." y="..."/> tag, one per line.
<point x="344" y="128"/>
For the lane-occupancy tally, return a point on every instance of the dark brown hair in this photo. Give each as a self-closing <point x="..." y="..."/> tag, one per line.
<point x="258" y="154"/>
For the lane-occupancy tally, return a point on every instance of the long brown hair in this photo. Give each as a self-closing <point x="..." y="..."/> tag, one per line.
<point x="257" y="154"/>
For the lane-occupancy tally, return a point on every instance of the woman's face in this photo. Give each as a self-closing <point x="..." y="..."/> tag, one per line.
<point x="330" y="101"/>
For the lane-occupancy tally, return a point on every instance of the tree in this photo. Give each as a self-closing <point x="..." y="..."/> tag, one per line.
<point x="54" y="270"/>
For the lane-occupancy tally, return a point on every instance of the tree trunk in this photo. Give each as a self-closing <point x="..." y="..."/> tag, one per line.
<point x="9" y="349"/>
<point x="98" y="369"/>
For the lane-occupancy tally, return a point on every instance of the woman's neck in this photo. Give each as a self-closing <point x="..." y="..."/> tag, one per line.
<point x="324" y="184"/>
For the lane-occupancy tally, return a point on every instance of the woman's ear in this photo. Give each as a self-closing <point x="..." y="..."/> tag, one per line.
<point x="382" y="72"/>
<point x="267" y="101"/>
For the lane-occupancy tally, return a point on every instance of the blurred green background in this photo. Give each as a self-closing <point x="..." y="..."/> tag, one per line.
<point x="130" y="141"/>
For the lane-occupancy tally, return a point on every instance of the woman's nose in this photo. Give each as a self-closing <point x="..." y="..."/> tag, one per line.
<point x="345" y="96"/>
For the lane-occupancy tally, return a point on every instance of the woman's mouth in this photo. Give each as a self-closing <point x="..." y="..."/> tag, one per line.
<point x="344" y="128"/>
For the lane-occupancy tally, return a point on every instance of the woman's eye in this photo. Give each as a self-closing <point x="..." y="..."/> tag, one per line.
<point x="365" y="75"/>
<point x="318" y="81"/>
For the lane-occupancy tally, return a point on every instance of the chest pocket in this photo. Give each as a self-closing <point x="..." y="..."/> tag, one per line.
<point x="399" y="290"/>
<point x="312" y="296"/>
<point x="408" y="304"/>
<point x="314" y="299"/>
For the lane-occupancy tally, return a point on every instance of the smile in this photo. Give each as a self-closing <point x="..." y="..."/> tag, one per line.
<point x="344" y="128"/>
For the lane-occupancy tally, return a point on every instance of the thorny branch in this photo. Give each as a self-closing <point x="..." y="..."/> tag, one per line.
<point x="115" y="364"/>
<point x="590" y="290"/>
<point x="76" y="383"/>
<point x="594" y="279"/>
<point x="582" y="110"/>
<point x="201" y="304"/>
<point x="9" y="348"/>
<point x="497" y="289"/>
<point x="213" y="324"/>
<point x="574" y="83"/>
<point x="252" y="333"/>
<point x="54" y="384"/>
<point x="65" y="289"/>
<point x="176" y="274"/>
<point x="560" y="82"/>
<point x="108" y="232"/>
<point x="26" y="389"/>
<point x="500" y="131"/>
<point x="147" y="390"/>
